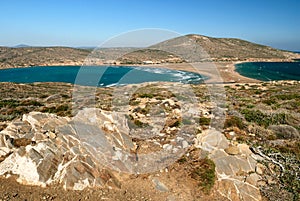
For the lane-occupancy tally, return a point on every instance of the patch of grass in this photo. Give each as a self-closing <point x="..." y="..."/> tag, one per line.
<point x="205" y="174"/>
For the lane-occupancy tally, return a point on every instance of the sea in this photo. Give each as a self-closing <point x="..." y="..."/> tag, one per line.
<point x="270" y="71"/>
<point x="100" y="76"/>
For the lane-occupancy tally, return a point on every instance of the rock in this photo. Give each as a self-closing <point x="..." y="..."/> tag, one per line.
<point x="167" y="147"/>
<point x="185" y="144"/>
<point x="211" y="139"/>
<point x="253" y="179"/>
<point x="259" y="168"/>
<point x="244" y="149"/>
<point x="51" y="135"/>
<point x="232" y="133"/>
<point x="271" y="180"/>
<point x="237" y="190"/>
<point x="53" y="97"/>
<point x="159" y="186"/>
<point x="285" y="131"/>
<point x="232" y="150"/>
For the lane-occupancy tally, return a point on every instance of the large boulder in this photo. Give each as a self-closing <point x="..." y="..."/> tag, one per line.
<point x="285" y="131"/>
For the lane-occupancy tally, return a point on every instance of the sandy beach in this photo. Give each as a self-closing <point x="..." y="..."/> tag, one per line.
<point x="219" y="72"/>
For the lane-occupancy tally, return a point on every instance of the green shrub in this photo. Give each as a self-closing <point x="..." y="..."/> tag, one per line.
<point x="9" y="103"/>
<point x="61" y="110"/>
<point x="262" y="119"/>
<point x="176" y="123"/>
<point x="250" y="106"/>
<point x="234" y="121"/>
<point x="287" y="96"/>
<point x="204" y="121"/>
<point x="269" y="101"/>
<point x="182" y="160"/>
<point x="146" y="95"/>
<point x="258" y="91"/>
<point x="140" y="124"/>
<point x="31" y="103"/>
<point x="7" y="117"/>
<point x="186" y="121"/>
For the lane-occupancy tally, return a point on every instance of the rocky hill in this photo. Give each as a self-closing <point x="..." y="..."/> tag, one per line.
<point x="220" y="48"/>
<point x="197" y="48"/>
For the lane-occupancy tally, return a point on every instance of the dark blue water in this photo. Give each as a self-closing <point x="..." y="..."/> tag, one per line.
<point x="97" y="76"/>
<point x="267" y="71"/>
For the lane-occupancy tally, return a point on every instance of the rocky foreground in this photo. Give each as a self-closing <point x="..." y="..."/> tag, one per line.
<point x="159" y="145"/>
<point x="44" y="149"/>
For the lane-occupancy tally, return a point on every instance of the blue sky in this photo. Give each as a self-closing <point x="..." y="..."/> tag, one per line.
<point x="90" y="22"/>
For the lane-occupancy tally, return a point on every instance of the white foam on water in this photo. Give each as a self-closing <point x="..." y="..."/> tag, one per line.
<point x="152" y="70"/>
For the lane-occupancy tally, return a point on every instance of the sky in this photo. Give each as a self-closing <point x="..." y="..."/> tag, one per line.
<point x="91" y="22"/>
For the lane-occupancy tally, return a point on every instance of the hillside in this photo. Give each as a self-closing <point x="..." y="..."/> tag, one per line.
<point x="32" y="56"/>
<point x="189" y="48"/>
<point x="197" y="48"/>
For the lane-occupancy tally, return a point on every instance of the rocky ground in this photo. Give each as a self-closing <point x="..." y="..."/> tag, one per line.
<point x="161" y="143"/>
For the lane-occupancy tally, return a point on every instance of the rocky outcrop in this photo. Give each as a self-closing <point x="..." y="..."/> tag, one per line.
<point x="51" y="153"/>
<point x="88" y="149"/>
<point x="236" y="166"/>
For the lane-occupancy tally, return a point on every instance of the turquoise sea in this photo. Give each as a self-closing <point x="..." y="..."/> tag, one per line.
<point x="97" y="76"/>
<point x="269" y="71"/>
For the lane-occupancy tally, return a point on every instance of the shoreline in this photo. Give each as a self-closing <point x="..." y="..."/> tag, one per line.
<point x="218" y="72"/>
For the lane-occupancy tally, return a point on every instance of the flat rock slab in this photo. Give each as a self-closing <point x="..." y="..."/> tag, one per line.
<point x="235" y="166"/>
